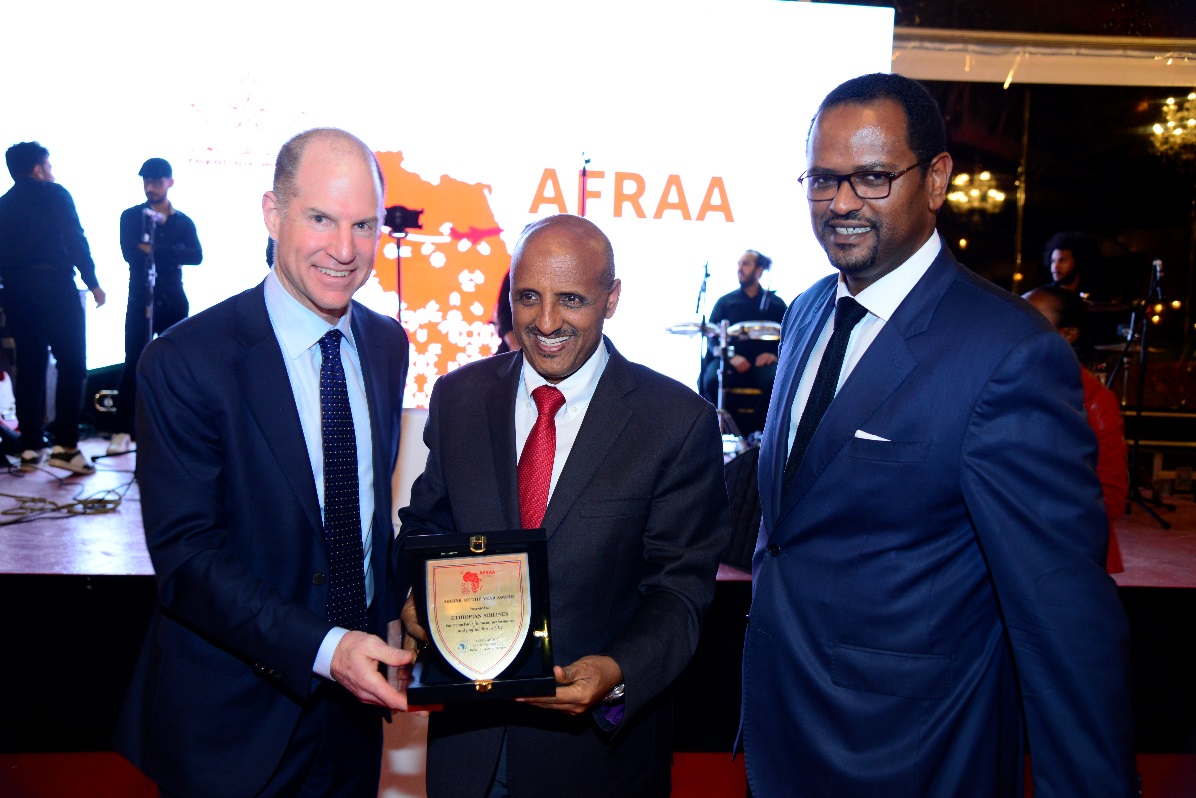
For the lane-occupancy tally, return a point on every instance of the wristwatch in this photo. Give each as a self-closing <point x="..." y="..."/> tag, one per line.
<point x="614" y="695"/>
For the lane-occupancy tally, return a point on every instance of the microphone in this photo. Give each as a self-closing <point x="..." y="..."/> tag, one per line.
<point x="1157" y="263"/>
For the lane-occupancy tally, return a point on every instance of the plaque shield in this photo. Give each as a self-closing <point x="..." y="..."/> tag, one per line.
<point x="479" y="611"/>
<point x="483" y="599"/>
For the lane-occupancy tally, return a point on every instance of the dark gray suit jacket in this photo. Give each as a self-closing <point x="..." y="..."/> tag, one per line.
<point x="635" y="528"/>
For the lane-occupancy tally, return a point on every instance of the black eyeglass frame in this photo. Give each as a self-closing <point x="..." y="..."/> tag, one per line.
<point x="850" y="178"/>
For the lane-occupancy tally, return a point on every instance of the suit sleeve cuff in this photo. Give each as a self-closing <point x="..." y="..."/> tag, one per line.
<point x="323" y="663"/>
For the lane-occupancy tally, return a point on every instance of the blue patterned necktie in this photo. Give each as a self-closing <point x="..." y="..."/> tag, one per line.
<point x="342" y="505"/>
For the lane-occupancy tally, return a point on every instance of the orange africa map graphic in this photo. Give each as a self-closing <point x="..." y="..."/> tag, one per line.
<point x="451" y="272"/>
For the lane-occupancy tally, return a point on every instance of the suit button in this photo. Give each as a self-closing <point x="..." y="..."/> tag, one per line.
<point x="773" y="550"/>
<point x="317" y="578"/>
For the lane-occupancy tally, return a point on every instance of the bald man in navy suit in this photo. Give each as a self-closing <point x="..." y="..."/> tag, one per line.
<point x="252" y="682"/>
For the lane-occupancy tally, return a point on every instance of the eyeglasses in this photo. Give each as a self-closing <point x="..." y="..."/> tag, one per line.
<point x="866" y="185"/>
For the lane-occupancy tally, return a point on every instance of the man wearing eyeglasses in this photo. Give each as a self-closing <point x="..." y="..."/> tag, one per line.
<point x="924" y="610"/>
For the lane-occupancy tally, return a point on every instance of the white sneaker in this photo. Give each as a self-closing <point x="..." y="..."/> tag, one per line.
<point x="71" y="460"/>
<point x="32" y="458"/>
<point x="121" y="443"/>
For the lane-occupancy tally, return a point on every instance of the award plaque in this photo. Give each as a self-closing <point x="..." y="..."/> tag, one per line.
<point x="483" y="600"/>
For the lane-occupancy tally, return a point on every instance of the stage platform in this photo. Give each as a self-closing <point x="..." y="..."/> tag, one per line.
<point x="98" y="533"/>
<point x="75" y="578"/>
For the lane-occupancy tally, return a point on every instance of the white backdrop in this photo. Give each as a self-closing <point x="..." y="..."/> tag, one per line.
<point x="484" y="92"/>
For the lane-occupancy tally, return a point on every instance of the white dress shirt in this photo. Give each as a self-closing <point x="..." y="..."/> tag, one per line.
<point x="578" y="389"/>
<point x="881" y="300"/>
<point x="299" y="331"/>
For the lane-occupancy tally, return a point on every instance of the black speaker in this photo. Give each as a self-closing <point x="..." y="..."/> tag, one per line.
<point x="9" y="441"/>
<point x="99" y="392"/>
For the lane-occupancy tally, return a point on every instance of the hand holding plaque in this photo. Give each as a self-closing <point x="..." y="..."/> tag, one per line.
<point x="483" y="600"/>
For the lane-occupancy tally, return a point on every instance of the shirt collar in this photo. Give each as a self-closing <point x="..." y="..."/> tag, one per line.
<point x="882" y="297"/>
<point x="297" y="328"/>
<point x="578" y="386"/>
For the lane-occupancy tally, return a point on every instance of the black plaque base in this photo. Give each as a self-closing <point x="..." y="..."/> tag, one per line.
<point x="433" y="679"/>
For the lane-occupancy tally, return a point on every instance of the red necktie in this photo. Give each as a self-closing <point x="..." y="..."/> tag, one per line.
<point x="535" y="464"/>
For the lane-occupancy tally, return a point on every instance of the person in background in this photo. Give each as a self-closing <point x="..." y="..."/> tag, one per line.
<point x="502" y="318"/>
<point x="754" y="364"/>
<point x="41" y="246"/>
<point x="1067" y="312"/>
<point x="1072" y="258"/>
<point x="152" y="232"/>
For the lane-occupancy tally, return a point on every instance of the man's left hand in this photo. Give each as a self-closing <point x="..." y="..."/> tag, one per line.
<point x="765" y="359"/>
<point x="581" y="685"/>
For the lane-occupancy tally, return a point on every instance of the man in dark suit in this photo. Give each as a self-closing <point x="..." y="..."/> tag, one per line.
<point x="269" y="536"/>
<point x="636" y="517"/>
<point x="929" y="593"/>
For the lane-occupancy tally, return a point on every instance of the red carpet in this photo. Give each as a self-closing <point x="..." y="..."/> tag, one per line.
<point x="105" y="775"/>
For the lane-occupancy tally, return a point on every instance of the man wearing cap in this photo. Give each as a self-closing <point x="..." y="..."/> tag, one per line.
<point x="151" y="233"/>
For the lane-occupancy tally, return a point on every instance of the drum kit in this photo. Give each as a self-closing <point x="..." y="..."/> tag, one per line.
<point x="722" y="338"/>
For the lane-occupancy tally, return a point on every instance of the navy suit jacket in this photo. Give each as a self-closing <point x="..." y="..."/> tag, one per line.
<point x="635" y="527"/>
<point x="923" y="603"/>
<point x="234" y="530"/>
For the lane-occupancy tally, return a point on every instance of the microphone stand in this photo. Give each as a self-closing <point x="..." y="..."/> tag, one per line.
<point x="726" y="424"/>
<point x="585" y="177"/>
<point x="151" y="272"/>
<point x="766" y="299"/>
<point x="1135" y="494"/>
<point x="149" y="227"/>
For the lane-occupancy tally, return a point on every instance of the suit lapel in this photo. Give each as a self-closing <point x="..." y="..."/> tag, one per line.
<point x="500" y="418"/>
<point x="375" y="373"/>
<point x="886" y="364"/>
<point x="608" y="413"/>
<point x="266" y="388"/>
<point x="882" y="368"/>
<point x="800" y="335"/>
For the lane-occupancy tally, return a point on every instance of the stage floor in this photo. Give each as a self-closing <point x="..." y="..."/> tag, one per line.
<point x="56" y="522"/>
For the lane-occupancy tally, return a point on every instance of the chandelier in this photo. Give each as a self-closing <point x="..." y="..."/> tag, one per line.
<point x="976" y="194"/>
<point x="1175" y="134"/>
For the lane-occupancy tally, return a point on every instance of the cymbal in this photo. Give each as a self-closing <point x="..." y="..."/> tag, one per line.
<point x="756" y="330"/>
<point x="1135" y="348"/>
<point x="693" y="328"/>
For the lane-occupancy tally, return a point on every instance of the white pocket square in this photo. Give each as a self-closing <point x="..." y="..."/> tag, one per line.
<point x="868" y="436"/>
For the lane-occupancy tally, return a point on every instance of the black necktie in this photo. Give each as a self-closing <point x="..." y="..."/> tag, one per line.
<point x="342" y="506"/>
<point x="848" y="313"/>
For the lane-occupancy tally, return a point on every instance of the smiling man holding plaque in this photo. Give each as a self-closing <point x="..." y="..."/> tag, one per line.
<point x="622" y="469"/>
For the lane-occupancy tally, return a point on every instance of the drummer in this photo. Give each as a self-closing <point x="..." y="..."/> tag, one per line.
<point x="755" y="361"/>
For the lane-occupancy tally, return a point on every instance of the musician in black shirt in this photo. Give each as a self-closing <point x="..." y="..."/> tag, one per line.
<point x="754" y="364"/>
